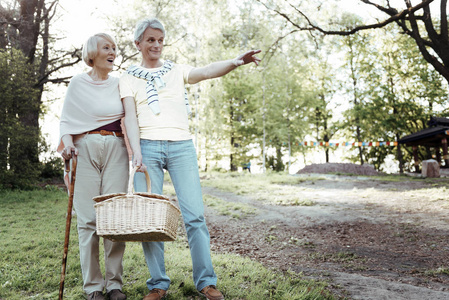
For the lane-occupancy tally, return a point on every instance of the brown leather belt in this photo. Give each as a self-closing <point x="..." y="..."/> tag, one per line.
<point x="106" y="132"/>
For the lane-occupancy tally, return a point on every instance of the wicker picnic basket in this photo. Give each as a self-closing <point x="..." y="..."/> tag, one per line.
<point x="136" y="217"/>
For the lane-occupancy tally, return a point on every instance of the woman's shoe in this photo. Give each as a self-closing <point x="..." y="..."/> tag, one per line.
<point x="97" y="295"/>
<point x="116" y="295"/>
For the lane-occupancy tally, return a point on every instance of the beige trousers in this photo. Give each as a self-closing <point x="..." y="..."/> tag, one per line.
<point x="102" y="168"/>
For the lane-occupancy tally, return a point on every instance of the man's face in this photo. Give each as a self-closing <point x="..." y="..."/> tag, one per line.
<point x="151" y="44"/>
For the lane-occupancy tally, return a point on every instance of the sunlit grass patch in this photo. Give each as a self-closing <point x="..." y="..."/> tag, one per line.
<point x="225" y="208"/>
<point x="234" y="183"/>
<point x="169" y="190"/>
<point x="243" y="183"/>
<point x="438" y="271"/>
<point x="428" y="194"/>
<point x="283" y="178"/>
<point x="257" y="282"/>
<point x="32" y="234"/>
<point x="278" y="189"/>
<point x="338" y="257"/>
<point x="392" y="178"/>
<point x="284" y="195"/>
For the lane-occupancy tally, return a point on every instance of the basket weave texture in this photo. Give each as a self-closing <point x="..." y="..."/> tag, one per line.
<point x="136" y="217"/>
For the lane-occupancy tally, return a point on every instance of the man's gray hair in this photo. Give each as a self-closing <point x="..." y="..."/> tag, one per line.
<point x="142" y="25"/>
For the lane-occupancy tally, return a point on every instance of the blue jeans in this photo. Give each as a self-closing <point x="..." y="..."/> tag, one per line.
<point x="180" y="160"/>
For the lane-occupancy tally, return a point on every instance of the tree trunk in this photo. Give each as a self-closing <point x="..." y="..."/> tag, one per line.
<point x="399" y="155"/>
<point x="22" y="31"/>
<point x="3" y="139"/>
<point x="326" y="139"/>
<point x="279" y="167"/>
<point x="30" y="12"/>
<point x="232" y="166"/>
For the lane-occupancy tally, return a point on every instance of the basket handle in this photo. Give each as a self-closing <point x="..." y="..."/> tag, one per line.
<point x="131" y="180"/>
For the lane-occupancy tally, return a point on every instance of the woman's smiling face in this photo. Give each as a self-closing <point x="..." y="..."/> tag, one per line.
<point x="151" y="44"/>
<point x="105" y="55"/>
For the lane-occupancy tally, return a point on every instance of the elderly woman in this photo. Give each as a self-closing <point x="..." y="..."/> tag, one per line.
<point x="90" y="128"/>
<point x="156" y="118"/>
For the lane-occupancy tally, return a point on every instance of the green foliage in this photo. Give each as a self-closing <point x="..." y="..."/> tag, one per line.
<point x="438" y="271"/>
<point x="240" y="112"/>
<point x="275" y="163"/>
<point x="372" y="86"/>
<point x="231" y="113"/>
<point x="32" y="232"/>
<point x="52" y="167"/>
<point x="391" y="95"/>
<point x="19" y="137"/>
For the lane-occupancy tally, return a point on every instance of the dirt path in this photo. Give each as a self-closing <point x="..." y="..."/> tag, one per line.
<point x="370" y="239"/>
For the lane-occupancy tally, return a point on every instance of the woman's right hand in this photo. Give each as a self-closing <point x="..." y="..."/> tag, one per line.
<point x="67" y="152"/>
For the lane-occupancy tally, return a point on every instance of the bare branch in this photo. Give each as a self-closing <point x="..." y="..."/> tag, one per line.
<point x="6" y="17"/>
<point x="406" y="20"/>
<point x="427" y="20"/>
<point x="422" y="47"/>
<point x="270" y="51"/>
<point x="388" y="10"/>
<point x="45" y="78"/>
<point x="59" y="80"/>
<point x="395" y="16"/>
<point x="288" y="18"/>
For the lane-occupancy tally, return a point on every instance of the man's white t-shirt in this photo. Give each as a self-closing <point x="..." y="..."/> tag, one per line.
<point x="172" y="123"/>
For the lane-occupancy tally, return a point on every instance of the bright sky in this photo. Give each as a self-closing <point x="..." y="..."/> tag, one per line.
<point x="83" y="18"/>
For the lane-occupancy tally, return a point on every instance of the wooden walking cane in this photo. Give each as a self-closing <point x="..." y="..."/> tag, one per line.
<point x="68" y="221"/>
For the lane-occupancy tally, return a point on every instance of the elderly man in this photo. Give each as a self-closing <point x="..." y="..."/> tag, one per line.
<point x="156" y="119"/>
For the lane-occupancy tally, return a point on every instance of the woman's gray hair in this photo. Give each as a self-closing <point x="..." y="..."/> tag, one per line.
<point x="142" y="25"/>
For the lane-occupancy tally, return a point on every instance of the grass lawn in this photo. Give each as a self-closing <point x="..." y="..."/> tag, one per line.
<point x="275" y="188"/>
<point x="32" y="225"/>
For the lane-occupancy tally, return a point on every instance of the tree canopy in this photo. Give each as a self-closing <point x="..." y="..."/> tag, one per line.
<point x="27" y="65"/>
<point x="326" y="75"/>
<point x="429" y="32"/>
